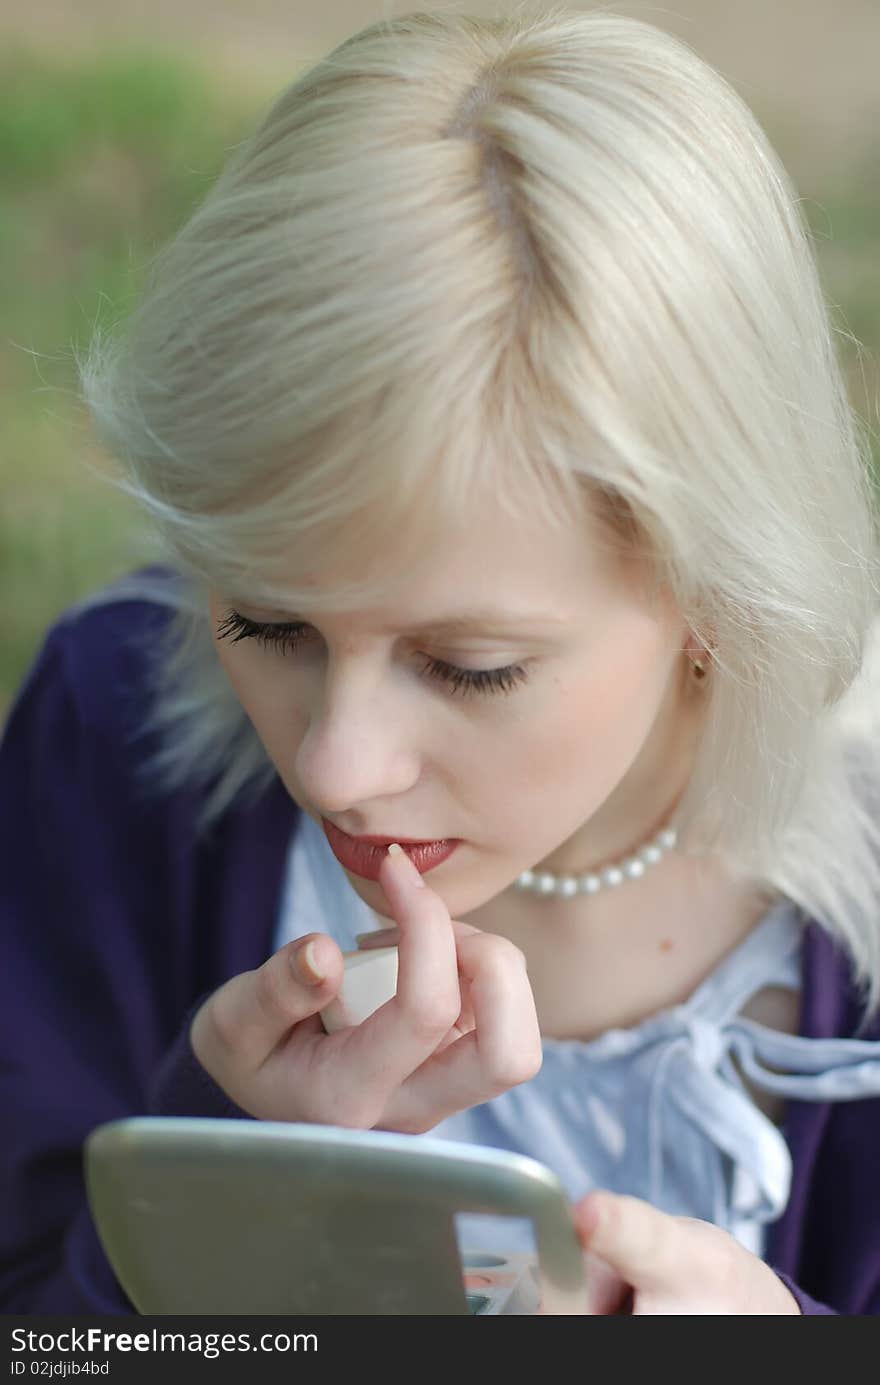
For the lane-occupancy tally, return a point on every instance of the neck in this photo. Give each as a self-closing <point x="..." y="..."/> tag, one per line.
<point x="612" y="959"/>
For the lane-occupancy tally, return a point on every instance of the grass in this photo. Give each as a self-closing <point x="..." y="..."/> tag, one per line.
<point x="100" y="160"/>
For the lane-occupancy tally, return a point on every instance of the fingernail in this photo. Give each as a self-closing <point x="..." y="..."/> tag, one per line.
<point x="307" y="966"/>
<point x="413" y="875"/>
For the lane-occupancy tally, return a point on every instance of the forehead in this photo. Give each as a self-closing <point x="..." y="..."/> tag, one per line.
<point x="486" y="551"/>
<point x="483" y="571"/>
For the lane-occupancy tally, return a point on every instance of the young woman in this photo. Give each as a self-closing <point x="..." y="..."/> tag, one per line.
<point x="511" y="504"/>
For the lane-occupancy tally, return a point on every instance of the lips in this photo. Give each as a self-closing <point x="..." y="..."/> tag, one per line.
<point x="364" y="857"/>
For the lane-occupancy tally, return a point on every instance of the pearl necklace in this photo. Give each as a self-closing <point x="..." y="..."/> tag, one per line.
<point x="545" y="882"/>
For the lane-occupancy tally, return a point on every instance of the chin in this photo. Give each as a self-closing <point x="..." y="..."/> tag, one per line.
<point x="373" y="895"/>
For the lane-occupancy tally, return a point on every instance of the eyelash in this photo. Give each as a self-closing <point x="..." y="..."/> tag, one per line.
<point x="287" y="637"/>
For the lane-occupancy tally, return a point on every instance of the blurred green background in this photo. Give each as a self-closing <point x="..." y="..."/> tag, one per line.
<point x="104" y="150"/>
<point x="101" y="158"/>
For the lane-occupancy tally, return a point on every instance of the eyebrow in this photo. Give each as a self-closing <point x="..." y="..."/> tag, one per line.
<point x="494" y="623"/>
<point x="488" y="621"/>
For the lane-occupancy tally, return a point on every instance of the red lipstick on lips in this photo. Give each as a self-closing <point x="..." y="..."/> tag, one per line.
<point x="363" y="855"/>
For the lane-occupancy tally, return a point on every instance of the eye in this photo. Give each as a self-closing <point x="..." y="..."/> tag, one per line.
<point x="285" y="638"/>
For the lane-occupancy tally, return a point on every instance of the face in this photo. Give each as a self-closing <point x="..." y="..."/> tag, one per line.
<point x="570" y="762"/>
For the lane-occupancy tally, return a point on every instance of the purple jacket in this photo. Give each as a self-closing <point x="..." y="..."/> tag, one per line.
<point x="116" y="924"/>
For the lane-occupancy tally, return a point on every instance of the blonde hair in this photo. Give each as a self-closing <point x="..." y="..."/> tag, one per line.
<point x="545" y="257"/>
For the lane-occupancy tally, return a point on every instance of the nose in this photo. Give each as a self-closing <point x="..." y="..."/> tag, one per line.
<point x="360" y="745"/>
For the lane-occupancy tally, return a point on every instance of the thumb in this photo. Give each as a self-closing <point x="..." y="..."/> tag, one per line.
<point x="642" y="1244"/>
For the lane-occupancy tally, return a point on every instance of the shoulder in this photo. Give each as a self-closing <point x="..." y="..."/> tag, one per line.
<point x="90" y="848"/>
<point x="102" y="645"/>
<point x="832" y="1003"/>
<point x="145" y="595"/>
<point x="79" y="724"/>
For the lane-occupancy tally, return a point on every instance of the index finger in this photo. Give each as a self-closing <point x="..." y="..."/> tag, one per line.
<point x="398" y="1037"/>
<point x="388" y="937"/>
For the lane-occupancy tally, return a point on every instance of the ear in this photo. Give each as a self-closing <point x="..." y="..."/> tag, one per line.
<point x="696" y="648"/>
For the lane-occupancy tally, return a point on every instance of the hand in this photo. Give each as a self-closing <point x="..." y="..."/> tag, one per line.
<point x="645" y="1262"/>
<point x="461" y="1029"/>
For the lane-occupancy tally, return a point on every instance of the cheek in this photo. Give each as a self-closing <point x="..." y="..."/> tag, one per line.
<point x="267" y="698"/>
<point x="617" y="700"/>
<point x="583" y="736"/>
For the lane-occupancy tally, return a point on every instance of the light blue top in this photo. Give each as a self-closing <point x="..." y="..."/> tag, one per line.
<point x="658" y="1111"/>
